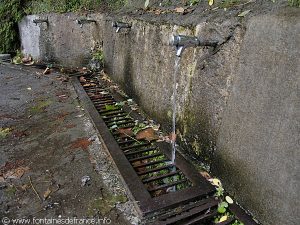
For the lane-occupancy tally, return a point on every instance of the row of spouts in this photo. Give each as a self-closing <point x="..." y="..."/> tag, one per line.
<point x="181" y="42"/>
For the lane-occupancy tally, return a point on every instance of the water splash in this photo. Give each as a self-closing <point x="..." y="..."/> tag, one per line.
<point x="174" y="96"/>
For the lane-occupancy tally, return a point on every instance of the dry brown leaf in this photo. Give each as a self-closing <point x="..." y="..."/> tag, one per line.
<point x="19" y="134"/>
<point x="157" y="12"/>
<point x="25" y="187"/>
<point x="62" y="116"/>
<point x="89" y="85"/>
<point x="147" y="134"/>
<point x="27" y="59"/>
<point x="172" y="137"/>
<point x="47" y="193"/>
<point x="205" y="175"/>
<point x="82" y="79"/>
<point x="70" y="126"/>
<point x="82" y="143"/>
<point x="2" y="179"/>
<point x="125" y="132"/>
<point x="16" y="173"/>
<point x="179" y="10"/>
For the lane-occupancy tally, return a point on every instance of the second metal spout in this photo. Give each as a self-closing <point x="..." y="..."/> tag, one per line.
<point x="82" y="21"/>
<point x="120" y="25"/>
<point x="36" y="21"/>
<point x="181" y="42"/>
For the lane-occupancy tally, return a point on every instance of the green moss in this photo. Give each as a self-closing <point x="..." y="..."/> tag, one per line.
<point x="40" y="106"/>
<point x="10" y="191"/>
<point x="105" y="205"/>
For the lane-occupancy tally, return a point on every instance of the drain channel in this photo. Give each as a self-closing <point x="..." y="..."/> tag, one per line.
<point x="167" y="194"/>
<point x="144" y="165"/>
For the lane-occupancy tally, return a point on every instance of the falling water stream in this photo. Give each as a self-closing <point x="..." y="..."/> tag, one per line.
<point x="173" y="134"/>
<point x="174" y="96"/>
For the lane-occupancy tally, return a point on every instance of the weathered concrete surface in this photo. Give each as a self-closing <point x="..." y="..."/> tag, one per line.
<point x="30" y="36"/>
<point x="258" y="144"/>
<point x="63" y="40"/>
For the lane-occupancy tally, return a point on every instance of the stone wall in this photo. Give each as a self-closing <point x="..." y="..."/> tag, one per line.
<point x="237" y="104"/>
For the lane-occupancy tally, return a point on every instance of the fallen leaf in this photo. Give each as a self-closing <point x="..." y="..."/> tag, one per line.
<point x="10" y="165"/>
<point x="125" y="132"/>
<point x="205" y="175"/>
<point x="16" y="173"/>
<point x="26" y="59"/>
<point x="223" y="218"/>
<point x="62" y="116"/>
<point x="19" y="134"/>
<point x="2" y="179"/>
<point x="179" y="10"/>
<point x="242" y="14"/>
<point x="210" y="2"/>
<point x="82" y="143"/>
<point x="4" y="132"/>
<point x="70" y="126"/>
<point x="216" y="182"/>
<point x="229" y="199"/>
<point x="47" y="193"/>
<point x="89" y="85"/>
<point x="172" y="137"/>
<point x="157" y="12"/>
<point x="147" y="134"/>
<point x="62" y="78"/>
<point x="82" y="79"/>
<point x="25" y="187"/>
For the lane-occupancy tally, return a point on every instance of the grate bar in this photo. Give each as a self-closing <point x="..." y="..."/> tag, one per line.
<point x="152" y="164"/>
<point x="118" y="119"/>
<point x="167" y="185"/>
<point x="135" y="146"/>
<point x="126" y="142"/>
<point x="146" y="157"/>
<point x="140" y="151"/>
<point x="105" y="118"/>
<point x="120" y="123"/>
<point x="160" y="177"/>
<point x="111" y="113"/>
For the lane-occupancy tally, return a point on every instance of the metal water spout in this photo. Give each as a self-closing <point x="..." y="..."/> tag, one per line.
<point x="182" y="42"/>
<point x="36" y="21"/>
<point x="84" y="20"/>
<point x="120" y="25"/>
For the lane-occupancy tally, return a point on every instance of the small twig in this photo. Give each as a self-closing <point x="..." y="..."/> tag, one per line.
<point x="37" y="194"/>
<point x="132" y="138"/>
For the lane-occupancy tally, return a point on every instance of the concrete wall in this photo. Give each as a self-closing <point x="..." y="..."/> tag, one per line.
<point x="259" y="142"/>
<point x="237" y="103"/>
<point x="63" y="40"/>
<point x="30" y="36"/>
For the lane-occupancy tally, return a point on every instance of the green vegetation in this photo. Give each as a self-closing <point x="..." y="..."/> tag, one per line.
<point x="12" y="11"/>
<point x="10" y="14"/>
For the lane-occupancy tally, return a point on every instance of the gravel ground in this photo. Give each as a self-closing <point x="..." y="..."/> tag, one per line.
<point x="52" y="163"/>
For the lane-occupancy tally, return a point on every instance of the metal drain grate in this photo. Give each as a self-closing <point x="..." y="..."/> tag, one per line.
<point x="165" y="194"/>
<point x="145" y="166"/>
<point x="152" y="166"/>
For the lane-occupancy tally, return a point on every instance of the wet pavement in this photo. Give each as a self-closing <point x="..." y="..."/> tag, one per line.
<point x="52" y="163"/>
